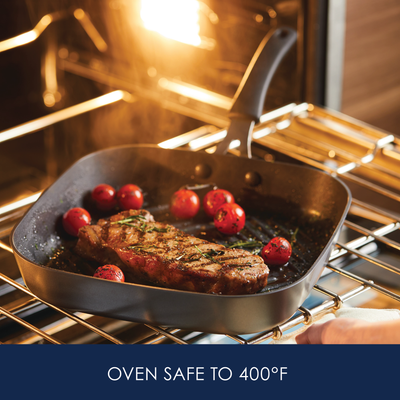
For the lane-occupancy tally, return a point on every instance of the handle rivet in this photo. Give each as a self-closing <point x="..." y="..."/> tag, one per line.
<point x="202" y="171"/>
<point x="252" y="178"/>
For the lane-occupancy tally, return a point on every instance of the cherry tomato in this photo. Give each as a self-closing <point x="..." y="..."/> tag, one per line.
<point x="277" y="251"/>
<point x="104" y="196"/>
<point x="74" y="219"/>
<point x="130" y="197"/>
<point x="109" y="272"/>
<point x="230" y="218"/>
<point x="214" y="199"/>
<point x="185" y="204"/>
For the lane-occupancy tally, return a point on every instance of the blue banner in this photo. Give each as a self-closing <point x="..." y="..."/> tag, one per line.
<point x="198" y="371"/>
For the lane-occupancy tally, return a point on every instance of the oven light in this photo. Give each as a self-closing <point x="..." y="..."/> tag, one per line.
<point x="174" y="19"/>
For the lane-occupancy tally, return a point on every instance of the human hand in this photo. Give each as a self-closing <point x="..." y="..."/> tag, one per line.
<point x="336" y="331"/>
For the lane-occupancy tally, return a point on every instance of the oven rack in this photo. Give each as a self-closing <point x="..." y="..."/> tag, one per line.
<point x="359" y="242"/>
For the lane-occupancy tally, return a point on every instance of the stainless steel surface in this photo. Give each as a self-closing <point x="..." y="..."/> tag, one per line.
<point x="364" y="242"/>
<point x="335" y="53"/>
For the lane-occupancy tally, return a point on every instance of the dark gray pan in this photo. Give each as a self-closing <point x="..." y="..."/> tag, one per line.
<point x="311" y="200"/>
<point x="303" y="193"/>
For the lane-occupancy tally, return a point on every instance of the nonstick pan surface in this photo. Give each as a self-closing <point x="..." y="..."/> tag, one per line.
<point x="278" y="198"/>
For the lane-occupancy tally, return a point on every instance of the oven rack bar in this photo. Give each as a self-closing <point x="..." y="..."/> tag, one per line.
<point x="80" y="15"/>
<point x="64" y="114"/>
<point x="72" y="316"/>
<point x="29" y="326"/>
<point x="305" y="316"/>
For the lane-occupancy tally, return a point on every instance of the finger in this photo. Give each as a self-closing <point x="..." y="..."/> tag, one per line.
<point x="303" y="338"/>
<point x="311" y="336"/>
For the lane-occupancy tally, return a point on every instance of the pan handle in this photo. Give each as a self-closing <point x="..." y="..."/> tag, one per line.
<point x="250" y="95"/>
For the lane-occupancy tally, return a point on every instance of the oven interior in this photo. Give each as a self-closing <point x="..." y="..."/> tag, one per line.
<point x="101" y="76"/>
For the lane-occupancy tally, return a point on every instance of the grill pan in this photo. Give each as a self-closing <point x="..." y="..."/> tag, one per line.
<point x="311" y="200"/>
<point x="277" y="197"/>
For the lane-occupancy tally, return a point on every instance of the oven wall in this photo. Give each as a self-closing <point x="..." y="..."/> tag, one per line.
<point x="371" y="78"/>
<point x="136" y="60"/>
<point x="22" y="160"/>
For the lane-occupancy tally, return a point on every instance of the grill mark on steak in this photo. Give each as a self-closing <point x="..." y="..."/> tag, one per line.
<point x="155" y="253"/>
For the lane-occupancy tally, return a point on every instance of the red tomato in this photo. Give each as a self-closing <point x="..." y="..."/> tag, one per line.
<point x="104" y="196"/>
<point x="230" y="218"/>
<point x="130" y="197"/>
<point x="109" y="272"/>
<point x="277" y="251"/>
<point x="185" y="204"/>
<point x="74" y="219"/>
<point x="214" y="199"/>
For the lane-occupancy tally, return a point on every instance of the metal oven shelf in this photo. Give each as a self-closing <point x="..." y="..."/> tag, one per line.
<point x="364" y="157"/>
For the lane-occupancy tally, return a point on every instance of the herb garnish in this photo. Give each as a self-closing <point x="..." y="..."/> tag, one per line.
<point x="126" y="221"/>
<point x="250" y="244"/>
<point x="154" y="228"/>
<point x="144" y="248"/>
<point x="293" y="237"/>
<point x="210" y="254"/>
<point x="143" y="227"/>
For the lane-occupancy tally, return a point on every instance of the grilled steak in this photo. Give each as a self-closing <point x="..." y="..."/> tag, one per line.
<point x="155" y="253"/>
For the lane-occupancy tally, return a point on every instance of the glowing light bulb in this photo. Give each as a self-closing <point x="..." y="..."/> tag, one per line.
<point x="174" y="19"/>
